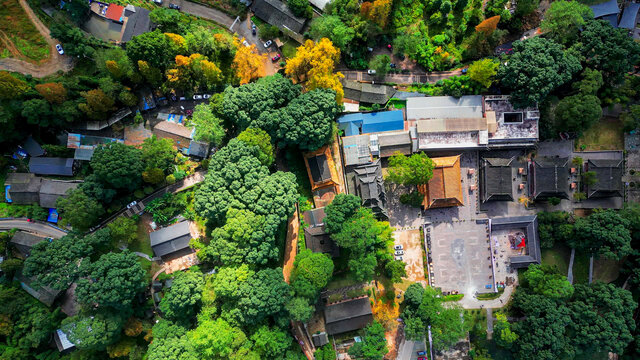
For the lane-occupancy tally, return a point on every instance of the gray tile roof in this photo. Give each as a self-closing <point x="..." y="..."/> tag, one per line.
<point x="138" y="23"/>
<point x="496" y="179"/>
<point x="367" y="93"/>
<point x="170" y="239"/>
<point x="32" y="147"/>
<point x="276" y="13"/>
<point x="605" y="8"/>
<point x="609" y="178"/>
<point x="51" y="190"/>
<point x="319" y="168"/>
<point x="51" y="166"/>
<point x="348" y="316"/>
<point x="551" y="177"/>
<point x="24" y="241"/>
<point x="370" y="188"/>
<point x="356" y="150"/>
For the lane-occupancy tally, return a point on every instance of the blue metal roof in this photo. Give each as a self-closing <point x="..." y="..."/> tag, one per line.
<point x="629" y="16"/>
<point x="354" y="124"/>
<point x="605" y="8"/>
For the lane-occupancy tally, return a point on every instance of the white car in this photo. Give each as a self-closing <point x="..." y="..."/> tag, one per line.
<point x="197" y="97"/>
<point x="398" y="247"/>
<point x="399" y="252"/>
<point x="59" y="48"/>
<point x="159" y="2"/>
<point x="399" y="258"/>
<point x="268" y="43"/>
<point x="132" y="204"/>
<point x="245" y="43"/>
<point x="206" y="96"/>
<point x="371" y="72"/>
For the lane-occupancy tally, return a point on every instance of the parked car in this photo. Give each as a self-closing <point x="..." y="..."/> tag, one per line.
<point x="245" y="43"/>
<point x="399" y="252"/>
<point x="174" y="6"/>
<point x="392" y="65"/>
<point x="397" y="247"/>
<point x="197" y="97"/>
<point x="159" y="2"/>
<point x="182" y="98"/>
<point x="253" y="26"/>
<point x="253" y="32"/>
<point x="371" y="72"/>
<point x="268" y="43"/>
<point x="422" y="353"/>
<point x="399" y="258"/>
<point x="206" y="96"/>
<point x="132" y="204"/>
<point x="59" y="48"/>
<point x="276" y="58"/>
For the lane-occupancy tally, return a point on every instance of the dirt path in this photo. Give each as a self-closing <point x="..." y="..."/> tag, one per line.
<point x="50" y="66"/>
<point x="291" y="247"/>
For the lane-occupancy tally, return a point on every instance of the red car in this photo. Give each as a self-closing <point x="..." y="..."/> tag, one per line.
<point x="276" y="58"/>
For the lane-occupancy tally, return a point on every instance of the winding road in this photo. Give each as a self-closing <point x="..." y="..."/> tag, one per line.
<point x="55" y="63"/>
<point x="33" y="226"/>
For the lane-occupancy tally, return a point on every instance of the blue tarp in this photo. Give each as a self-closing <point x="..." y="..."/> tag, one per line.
<point x="629" y="16"/>
<point x="605" y="8"/>
<point x="6" y="193"/>
<point x="176" y="118"/>
<point x="53" y="216"/>
<point x="374" y="122"/>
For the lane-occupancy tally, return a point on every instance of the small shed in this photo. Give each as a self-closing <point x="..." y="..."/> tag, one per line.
<point x="22" y="188"/>
<point x="170" y="239"/>
<point x="32" y="147"/>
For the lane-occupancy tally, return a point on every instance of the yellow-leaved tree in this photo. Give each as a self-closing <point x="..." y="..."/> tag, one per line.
<point x="314" y="65"/>
<point x="194" y="72"/>
<point x="249" y="65"/>
<point x="177" y="42"/>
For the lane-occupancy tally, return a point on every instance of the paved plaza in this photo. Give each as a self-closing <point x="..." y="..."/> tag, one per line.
<point x="461" y="257"/>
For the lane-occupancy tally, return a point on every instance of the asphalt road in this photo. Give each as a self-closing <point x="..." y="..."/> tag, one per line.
<point x="33" y="226"/>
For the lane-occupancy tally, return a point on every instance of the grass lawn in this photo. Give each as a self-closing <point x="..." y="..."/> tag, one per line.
<point x="607" y="134"/>
<point x="149" y="267"/>
<point x="341" y="280"/>
<point x="142" y="244"/>
<point x="581" y="268"/>
<point x="289" y="49"/>
<point x="24" y="40"/>
<point x="557" y="256"/>
<point x="397" y="103"/>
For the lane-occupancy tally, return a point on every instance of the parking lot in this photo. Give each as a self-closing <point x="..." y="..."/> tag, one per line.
<point x="412" y="248"/>
<point x="461" y="256"/>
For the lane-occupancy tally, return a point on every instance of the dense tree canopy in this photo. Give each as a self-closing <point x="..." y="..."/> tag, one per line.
<point x="118" y="166"/>
<point x="605" y="233"/>
<point x="112" y="281"/>
<point x="259" y="138"/>
<point x="181" y="303"/>
<point x="537" y="67"/>
<point x="217" y="340"/>
<point x="340" y="210"/>
<point x="158" y="154"/>
<point x="208" y="126"/>
<point x="554" y="226"/>
<point x="79" y="210"/>
<point x="93" y="332"/>
<point x="416" y="169"/>
<point x="262" y="295"/>
<point x="577" y="113"/>
<point x="373" y="345"/>
<point x="333" y="28"/>
<point x="563" y="20"/>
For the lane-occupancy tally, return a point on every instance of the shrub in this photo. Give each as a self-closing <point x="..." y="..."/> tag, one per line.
<point x="139" y="194"/>
<point x="171" y="179"/>
<point x="334" y="298"/>
<point x="554" y="201"/>
<point x="148" y="190"/>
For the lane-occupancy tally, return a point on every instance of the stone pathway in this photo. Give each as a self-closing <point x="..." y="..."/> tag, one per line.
<point x="570" y="274"/>
<point x="489" y="323"/>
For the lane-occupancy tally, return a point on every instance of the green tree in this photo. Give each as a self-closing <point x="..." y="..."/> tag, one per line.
<point x="340" y="210"/>
<point x="10" y="266"/>
<point x="11" y="87"/>
<point x="602" y="318"/>
<point x="179" y="348"/>
<point x="578" y="112"/>
<point x="299" y="7"/>
<point x="115" y="62"/>
<point x="208" y="126"/>
<point x="262" y="295"/>
<point x="604" y="233"/>
<point x="216" y="339"/>
<point x="608" y="50"/>
<point x="591" y="82"/>
<point x="554" y="226"/>
<point x="381" y="64"/>
<point x="505" y="337"/>
<point x="546" y="281"/>
<point x="316" y="268"/>
<point x="395" y="271"/>
<point x="158" y="153"/>
<point x="244" y="238"/>
<point x="373" y="345"/>
<point x="79" y="210"/>
<point x="73" y="40"/>
<point x="150" y="73"/>
<point x="325" y="353"/>
<point x="271" y="343"/>
<point x="332" y="27"/>
<point x="118" y="165"/>
<point x="416" y="169"/>
<point x="181" y="303"/>
<point x="37" y="112"/>
<point x="299" y="309"/>
<point x="169" y="20"/>
<point x="483" y="71"/>
<point x="93" y="332"/>
<point x="123" y="230"/>
<point x="537" y="67"/>
<point x="366" y="240"/>
<point x="228" y="280"/>
<point x="259" y="138"/>
<point x="154" y="176"/>
<point x="152" y="47"/>
<point x="78" y="11"/>
<point x="112" y="281"/>
<point x="563" y="19"/>
<point x="97" y="104"/>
